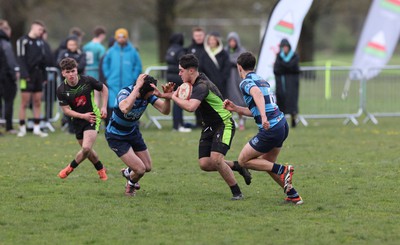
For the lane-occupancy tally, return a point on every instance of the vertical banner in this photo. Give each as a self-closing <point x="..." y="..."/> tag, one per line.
<point x="378" y="38"/>
<point x="285" y="21"/>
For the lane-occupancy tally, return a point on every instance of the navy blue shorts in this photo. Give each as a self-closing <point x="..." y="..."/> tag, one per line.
<point x="266" y="140"/>
<point x="121" y="144"/>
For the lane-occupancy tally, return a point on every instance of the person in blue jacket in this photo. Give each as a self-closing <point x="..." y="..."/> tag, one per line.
<point x="121" y="66"/>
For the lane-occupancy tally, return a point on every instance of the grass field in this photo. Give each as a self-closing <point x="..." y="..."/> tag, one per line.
<point x="347" y="175"/>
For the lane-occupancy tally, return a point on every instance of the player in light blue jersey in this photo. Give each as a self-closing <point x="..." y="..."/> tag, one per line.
<point x="122" y="133"/>
<point x="262" y="151"/>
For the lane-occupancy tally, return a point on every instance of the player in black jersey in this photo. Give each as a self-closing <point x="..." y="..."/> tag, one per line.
<point x="76" y="96"/>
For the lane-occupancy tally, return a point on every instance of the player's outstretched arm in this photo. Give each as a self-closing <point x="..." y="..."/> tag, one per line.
<point x="232" y="107"/>
<point x="163" y="106"/>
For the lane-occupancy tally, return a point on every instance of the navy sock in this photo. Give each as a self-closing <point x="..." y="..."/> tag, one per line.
<point x="98" y="165"/>
<point x="277" y="169"/>
<point x="73" y="164"/>
<point x="235" y="190"/>
<point x="292" y="193"/>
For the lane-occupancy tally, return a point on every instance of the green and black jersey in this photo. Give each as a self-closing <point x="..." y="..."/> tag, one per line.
<point x="212" y="103"/>
<point x="80" y="98"/>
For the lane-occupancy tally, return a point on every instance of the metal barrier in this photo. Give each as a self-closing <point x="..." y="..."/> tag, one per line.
<point x="382" y="93"/>
<point x="325" y="93"/>
<point x="328" y="93"/>
<point x="49" y="98"/>
<point x="320" y="95"/>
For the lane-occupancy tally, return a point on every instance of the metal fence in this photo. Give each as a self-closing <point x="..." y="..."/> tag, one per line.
<point x="325" y="93"/>
<point x="328" y="93"/>
<point x="50" y="110"/>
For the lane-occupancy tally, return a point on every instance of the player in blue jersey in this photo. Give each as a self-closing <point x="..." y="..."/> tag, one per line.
<point x="122" y="133"/>
<point x="262" y="151"/>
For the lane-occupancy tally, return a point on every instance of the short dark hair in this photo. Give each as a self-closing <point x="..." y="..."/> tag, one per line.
<point x="247" y="61"/>
<point x="146" y="85"/>
<point x="189" y="61"/>
<point x="68" y="64"/>
<point x="98" y="30"/>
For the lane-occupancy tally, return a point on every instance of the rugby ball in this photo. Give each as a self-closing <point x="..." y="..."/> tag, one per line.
<point x="185" y="91"/>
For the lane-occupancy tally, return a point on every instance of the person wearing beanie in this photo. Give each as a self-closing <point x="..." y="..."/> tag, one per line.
<point x="121" y="66"/>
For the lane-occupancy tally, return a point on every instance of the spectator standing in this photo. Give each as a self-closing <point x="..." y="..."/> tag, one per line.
<point x="215" y="62"/>
<point x="286" y="70"/>
<point x="12" y="75"/>
<point x="94" y="52"/>
<point x="197" y="49"/>
<point x="73" y="51"/>
<point x="75" y="32"/>
<point x="50" y="87"/>
<point x="233" y="93"/>
<point x="3" y="75"/>
<point x="31" y="55"/>
<point x="121" y="66"/>
<point x="174" y="52"/>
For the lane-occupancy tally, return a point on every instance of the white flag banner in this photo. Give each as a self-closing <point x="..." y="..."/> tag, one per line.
<point x="378" y="39"/>
<point x="285" y="21"/>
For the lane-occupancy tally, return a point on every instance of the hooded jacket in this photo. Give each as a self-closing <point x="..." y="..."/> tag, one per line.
<point x="215" y="64"/>
<point x="121" y="67"/>
<point x="10" y="56"/>
<point x="174" y="52"/>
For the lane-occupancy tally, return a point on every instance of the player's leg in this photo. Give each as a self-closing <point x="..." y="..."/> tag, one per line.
<point x="25" y="98"/>
<point x="134" y="172"/>
<point x="146" y="159"/>
<point x="244" y="172"/>
<point x="92" y="154"/>
<point x="36" y="101"/>
<point x="292" y="196"/>
<point x="135" y="164"/>
<point x="221" y="141"/>
<point x="267" y="141"/>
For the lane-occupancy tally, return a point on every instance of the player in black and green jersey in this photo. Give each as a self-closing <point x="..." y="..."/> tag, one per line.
<point x="76" y="96"/>
<point x="218" y="126"/>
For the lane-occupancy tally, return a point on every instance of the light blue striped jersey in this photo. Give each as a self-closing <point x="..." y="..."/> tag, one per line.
<point x="124" y="124"/>
<point x="272" y="111"/>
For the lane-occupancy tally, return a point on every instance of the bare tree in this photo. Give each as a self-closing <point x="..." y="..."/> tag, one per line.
<point x="164" y="24"/>
<point x="15" y="12"/>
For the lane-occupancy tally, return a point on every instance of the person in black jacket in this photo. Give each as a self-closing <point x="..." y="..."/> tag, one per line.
<point x="215" y="62"/>
<point x="174" y="52"/>
<point x="32" y="61"/>
<point x="3" y="74"/>
<point x="197" y="49"/>
<point x="12" y="75"/>
<point x="286" y="70"/>
<point x="73" y="51"/>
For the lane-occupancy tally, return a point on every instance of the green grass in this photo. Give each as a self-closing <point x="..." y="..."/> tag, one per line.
<point x="347" y="175"/>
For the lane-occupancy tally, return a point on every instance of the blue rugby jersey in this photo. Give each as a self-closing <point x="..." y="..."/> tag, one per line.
<point x="124" y="124"/>
<point x="272" y="111"/>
